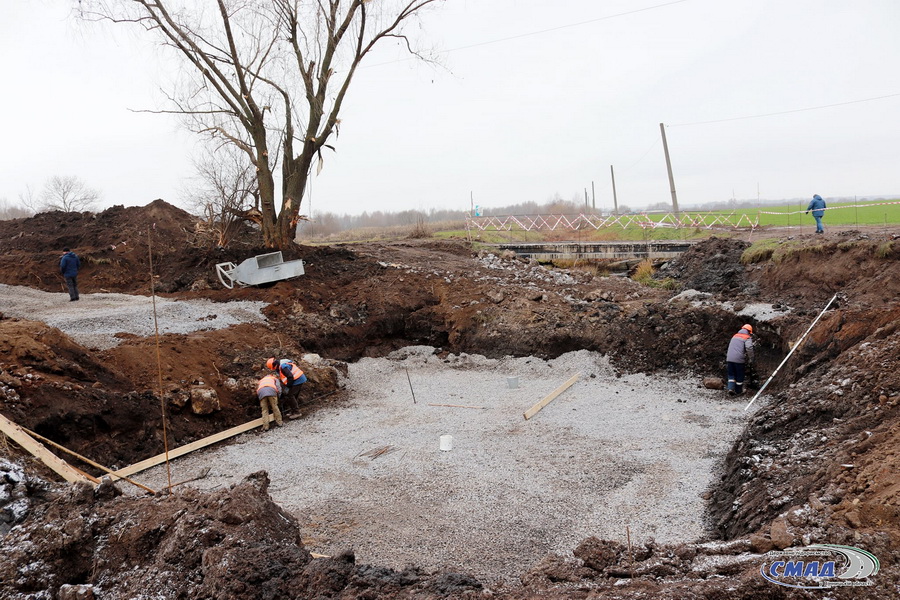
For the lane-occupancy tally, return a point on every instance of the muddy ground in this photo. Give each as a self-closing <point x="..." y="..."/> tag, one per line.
<point x="817" y="465"/>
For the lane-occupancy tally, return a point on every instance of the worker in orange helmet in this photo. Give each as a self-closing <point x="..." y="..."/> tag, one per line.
<point x="739" y="356"/>
<point x="291" y="379"/>
<point x="267" y="390"/>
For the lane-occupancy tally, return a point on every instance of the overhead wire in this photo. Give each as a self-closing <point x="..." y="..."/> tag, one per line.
<point x="533" y="33"/>
<point x="785" y="112"/>
<point x="567" y="26"/>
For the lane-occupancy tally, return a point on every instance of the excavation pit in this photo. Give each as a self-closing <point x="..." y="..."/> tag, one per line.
<point x="609" y="453"/>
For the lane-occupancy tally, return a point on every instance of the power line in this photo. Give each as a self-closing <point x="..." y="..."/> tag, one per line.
<point x="643" y="156"/>
<point x="785" y="112"/>
<point x="533" y="33"/>
<point x="570" y="25"/>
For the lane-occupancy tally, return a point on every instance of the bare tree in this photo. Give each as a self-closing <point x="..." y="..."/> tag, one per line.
<point x="29" y="199"/>
<point x="267" y="74"/>
<point x="68" y="194"/>
<point x="9" y="210"/>
<point x="226" y="192"/>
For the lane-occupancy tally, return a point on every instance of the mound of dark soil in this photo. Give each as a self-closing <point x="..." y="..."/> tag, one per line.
<point x="234" y="543"/>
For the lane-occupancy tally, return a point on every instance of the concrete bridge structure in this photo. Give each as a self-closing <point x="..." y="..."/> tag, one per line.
<point x="547" y="251"/>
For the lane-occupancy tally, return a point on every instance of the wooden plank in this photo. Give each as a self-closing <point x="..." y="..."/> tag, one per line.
<point x="537" y="407"/>
<point x="85" y="459"/>
<point x="188" y="448"/>
<point x="61" y="467"/>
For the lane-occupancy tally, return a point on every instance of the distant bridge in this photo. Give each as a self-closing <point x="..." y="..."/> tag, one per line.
<point x="546" y="251"/>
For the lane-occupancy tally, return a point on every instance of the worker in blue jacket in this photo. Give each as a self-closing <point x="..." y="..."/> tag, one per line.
<point x="817" y="206"/>
<point x="68" y="266"/>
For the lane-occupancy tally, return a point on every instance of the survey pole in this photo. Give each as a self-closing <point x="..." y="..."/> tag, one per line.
<point x="662" y="129"/>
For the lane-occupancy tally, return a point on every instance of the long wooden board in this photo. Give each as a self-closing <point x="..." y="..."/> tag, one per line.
<point x="188" y="448"/>
<point x="537" y="407"/>
<point x="61" y="467"/>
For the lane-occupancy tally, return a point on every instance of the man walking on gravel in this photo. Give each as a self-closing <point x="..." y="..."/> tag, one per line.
<point x="267" y="390"/>
<point x="68" y="266"/>
<point x="740" y="354"/>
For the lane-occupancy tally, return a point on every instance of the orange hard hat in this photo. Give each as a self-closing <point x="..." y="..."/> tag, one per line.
<point x="271" y="363"/>
<point x="748" y="328"/>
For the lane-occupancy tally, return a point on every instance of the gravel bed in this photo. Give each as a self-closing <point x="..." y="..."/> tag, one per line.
<point x="608" y="453"/>
<point x="95" y="319"/>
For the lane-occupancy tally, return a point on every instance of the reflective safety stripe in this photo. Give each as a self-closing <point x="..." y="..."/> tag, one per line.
<point x="296" y="373"/>
<point x="268" y="381"/>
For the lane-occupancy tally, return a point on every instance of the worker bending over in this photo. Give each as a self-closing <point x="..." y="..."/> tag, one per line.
<point x="291" y="378"/>
<point x="267" y="390"/>
<point x="740" y="354"/>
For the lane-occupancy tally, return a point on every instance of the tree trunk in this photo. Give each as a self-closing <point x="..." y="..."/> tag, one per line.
<point x="296" y="176"/>
<point x="266" y="190"/>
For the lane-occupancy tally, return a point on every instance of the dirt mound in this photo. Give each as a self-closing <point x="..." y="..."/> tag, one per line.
<point x="234" y="543"/>
<point x="713" y="266"/>
<point x="115" y="247"/>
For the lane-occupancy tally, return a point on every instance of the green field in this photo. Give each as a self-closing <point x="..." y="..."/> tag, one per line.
<point x="837" y="213"/>
<point x="883" y="212"/>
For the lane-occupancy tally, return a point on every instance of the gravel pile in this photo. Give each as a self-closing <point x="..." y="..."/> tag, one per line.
<point x="608" y="453"/>
<point x="95" y="319"/>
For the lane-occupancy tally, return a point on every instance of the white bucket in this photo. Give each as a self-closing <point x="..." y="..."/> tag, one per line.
<point x="512" y="382"/>
<point x="446" y="443"/>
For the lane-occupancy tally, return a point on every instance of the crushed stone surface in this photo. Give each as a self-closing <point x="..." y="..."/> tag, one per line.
<point x="760" y="311"/>
<point x="609" y="452"/>
<point x="95" y="319"/>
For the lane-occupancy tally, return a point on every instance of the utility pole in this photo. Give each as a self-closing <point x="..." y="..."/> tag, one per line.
<point x="615" y="198"/>
<point x="593" y="197"/>
<point x="662" y="129"/>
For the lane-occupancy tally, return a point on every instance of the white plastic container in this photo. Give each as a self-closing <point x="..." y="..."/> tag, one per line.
<point x="446" y="443"/>
<point x="512" y="382"/>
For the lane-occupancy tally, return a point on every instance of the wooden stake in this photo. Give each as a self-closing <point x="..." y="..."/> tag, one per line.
<point x="410" y="385"/>
<point x="61" y="467"/>
<point x="537" y="407"/>
<point x="630" y="553"/>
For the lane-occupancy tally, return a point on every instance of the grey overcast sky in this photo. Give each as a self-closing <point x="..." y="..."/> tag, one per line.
<point x="768" y="98"/>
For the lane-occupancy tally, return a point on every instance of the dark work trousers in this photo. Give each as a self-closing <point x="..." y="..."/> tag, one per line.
<point x="736" y="377"/>
<point x="292" y="397"/>
<point x="72" y="284"/>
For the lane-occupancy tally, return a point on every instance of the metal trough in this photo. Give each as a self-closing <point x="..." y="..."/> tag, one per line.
<point x="264" y="268"/>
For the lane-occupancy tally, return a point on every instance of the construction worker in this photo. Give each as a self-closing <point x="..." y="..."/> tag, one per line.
<point x="740" y="354"/>
<point x="291" y="378"/>
<point x="267" y="390"/>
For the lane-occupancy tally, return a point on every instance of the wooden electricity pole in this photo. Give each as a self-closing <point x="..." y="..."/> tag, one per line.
<point x="615" y="198"/>
<point x="662" y="129"/>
